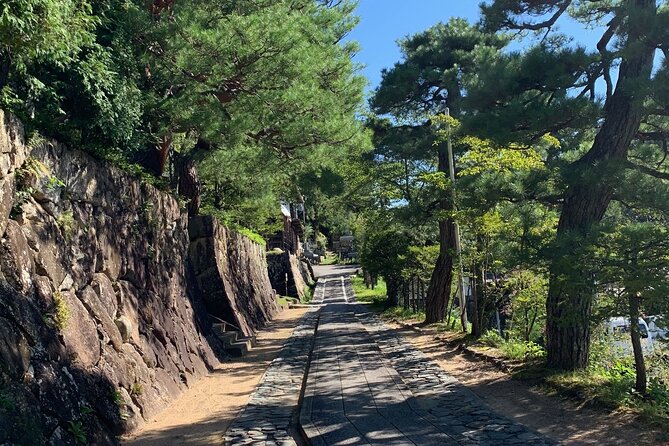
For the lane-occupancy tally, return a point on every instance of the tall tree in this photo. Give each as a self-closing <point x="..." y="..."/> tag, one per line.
<point x="633" y="31"/>
<point x="271" y="79"/>
<point x="427" y="81"/>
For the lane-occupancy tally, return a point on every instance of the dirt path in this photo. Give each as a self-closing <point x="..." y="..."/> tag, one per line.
<point x="202" y="414"/>
<point x="561" y="419"/>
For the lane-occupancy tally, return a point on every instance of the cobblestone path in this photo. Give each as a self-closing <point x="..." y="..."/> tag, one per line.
<point x="364" y="386"/>
<point x="267" y="418"/>
<point x="367" y="386"/>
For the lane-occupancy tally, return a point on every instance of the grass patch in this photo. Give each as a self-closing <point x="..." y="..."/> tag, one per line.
<point x="308" y="293"/>
<point x="608" y="381"/>
<point x="375" y="298"/>
<point x="282" y="301"/>
<point x="67" y="225"/>
<point x="403" y="315"/>
<point x="613" y="388"/>
<point x="334" y="259"/>
<point x="61" y="312"/>
<point x="286" y="300"/>
<point x="364" y="294"/>
<point x="330" y="259"/>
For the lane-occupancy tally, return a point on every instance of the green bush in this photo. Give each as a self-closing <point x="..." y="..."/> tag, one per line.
<point x="491" y="338"/>
<point x="512" y="348"/>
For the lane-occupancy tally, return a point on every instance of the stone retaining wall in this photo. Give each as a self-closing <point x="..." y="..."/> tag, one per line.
<point x="230" y="274"/>
<point x="288" y="275"/>
<point x="99" y="327"/>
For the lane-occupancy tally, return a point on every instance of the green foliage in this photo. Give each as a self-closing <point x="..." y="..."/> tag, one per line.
<point x="513" y="349"/>
<point x="68" y="226"/>
<point x="402" y="314"/>
<point x="39" y="32"/>
<point x="434" y="61"/>
<point x="518" y="350"/>
<point x="308" y="293"/>
<point x="76" y="428"/>
<point x="250" y="234"/>
<point x="491" y="338"/>
<point x="381" y="255"/>
<point x="332" y="259"/>
<point x="528" y="292"/>
<point x="282" y="300"/>
<point x="633" y="259"/>
<point x="117" y="398"/>
<point x="419" y="261"/>
<point x="61" y="312"/>
<point x="483" y="155"/>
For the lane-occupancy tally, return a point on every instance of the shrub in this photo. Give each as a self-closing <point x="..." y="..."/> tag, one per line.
<point x="61" y="311"/>
<point x="491" y="338"/>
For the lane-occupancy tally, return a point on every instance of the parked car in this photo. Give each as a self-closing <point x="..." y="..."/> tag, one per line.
<point x="657" y="327"/>
<point x="619" y="328"/>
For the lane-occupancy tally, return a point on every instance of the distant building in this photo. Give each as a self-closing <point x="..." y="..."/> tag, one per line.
<point x="289" y="239"/>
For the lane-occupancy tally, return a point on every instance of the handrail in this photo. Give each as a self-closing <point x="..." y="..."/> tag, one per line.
<point x="225" y="323"/>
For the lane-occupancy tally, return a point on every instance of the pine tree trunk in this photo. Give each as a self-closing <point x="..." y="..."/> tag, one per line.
<point x="635" y="334"/>
<point x="5" y="65"/>
<point x="189" y="186"/>
<point x="439" y="290"/>
<point x="587" y="198"/>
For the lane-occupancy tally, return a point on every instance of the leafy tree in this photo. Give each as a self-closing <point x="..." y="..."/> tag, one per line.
<point x="39" y="32"/>
<point x="382" y="255"/>
<point x="528" y="301"/>
<point x="270" y="77"/>
<point x="633" y="263"/>
<point x="484" y="168"/>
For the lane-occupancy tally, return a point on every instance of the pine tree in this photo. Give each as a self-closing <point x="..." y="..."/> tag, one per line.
<point x="428" y="80"/>
<point x="633" y="31"/>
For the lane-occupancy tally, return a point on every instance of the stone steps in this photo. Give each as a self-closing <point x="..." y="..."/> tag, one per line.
<point x="233" y="343"/>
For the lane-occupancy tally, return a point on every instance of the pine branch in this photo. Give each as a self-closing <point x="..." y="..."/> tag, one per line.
<point x="529" y="26"/>
<point x="647" y="170"/>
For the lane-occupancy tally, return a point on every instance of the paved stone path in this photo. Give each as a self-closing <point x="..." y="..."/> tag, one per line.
<point x="267" y="418"/>
<point x="365" y="386"/>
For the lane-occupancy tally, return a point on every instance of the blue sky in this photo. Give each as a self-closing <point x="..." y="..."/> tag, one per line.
<point x="383" y="22"/>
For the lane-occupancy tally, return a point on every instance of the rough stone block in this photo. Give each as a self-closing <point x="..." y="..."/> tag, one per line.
<point x="14" y="350"/>
<point x="105" y="290"/>
<point x="16" y="258"/>
<point x="80" y="333"/>
<point x="96" y="309"/>
<point x="6" y="201"/>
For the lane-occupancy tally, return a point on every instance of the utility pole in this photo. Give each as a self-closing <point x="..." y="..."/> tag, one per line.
<point x="461" y="289"/>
